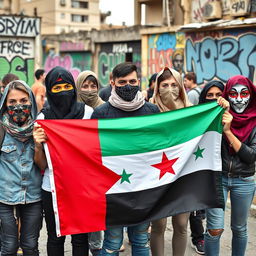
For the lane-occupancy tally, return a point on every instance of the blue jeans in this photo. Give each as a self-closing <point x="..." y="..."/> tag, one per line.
<point x="138" y="237"/>
<point x="241" y="196"/>
<point x="31" y="219"/>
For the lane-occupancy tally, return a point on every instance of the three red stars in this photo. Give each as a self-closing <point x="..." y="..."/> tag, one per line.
<point x="165" y="166"/>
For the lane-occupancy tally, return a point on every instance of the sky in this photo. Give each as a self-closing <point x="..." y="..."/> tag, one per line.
<point x="121" y="11"/>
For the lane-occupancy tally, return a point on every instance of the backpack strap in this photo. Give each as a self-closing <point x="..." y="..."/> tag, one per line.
<point x="196" y="89"/>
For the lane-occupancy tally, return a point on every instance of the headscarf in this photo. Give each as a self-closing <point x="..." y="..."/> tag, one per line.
<point x="21" y="133"/>
<point x="55" y="76"/>
<point x="207" y="87"/>
<point x="82" y="96"/>
<point x="243" y="123"/>
<point x="181" y="102"/>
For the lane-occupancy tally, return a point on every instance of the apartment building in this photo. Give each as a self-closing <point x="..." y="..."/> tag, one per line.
<point x="58" y="16"/>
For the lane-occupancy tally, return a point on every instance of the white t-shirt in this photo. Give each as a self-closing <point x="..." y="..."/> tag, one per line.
<point x="46" y="185"/>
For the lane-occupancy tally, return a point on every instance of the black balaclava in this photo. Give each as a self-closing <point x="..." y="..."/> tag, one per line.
<point x="62" y="105"/>
<point x="207" y="87"/>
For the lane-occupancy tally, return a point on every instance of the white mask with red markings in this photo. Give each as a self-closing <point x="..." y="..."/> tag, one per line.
<point x="239" y="98"/>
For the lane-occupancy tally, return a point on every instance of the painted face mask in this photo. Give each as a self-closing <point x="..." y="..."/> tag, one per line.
<point x="239" y="98"/>
<point x="19" y="113"/>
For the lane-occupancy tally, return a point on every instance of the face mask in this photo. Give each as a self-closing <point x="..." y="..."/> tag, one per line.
<point x="89" y="97"/>
<point x="239" y="98"/>
<point x="19" y="113"/>
<point x="127" y="92"/>
<point x="168" y="95"/>
<point x="210" y="100"/>
<point x="63" y="100"/>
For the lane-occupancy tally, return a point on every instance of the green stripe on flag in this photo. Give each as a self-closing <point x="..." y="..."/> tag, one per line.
<point x="132" y="135"/>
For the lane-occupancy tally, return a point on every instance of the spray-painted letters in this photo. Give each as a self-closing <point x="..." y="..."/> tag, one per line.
<point x="222" y="56"/>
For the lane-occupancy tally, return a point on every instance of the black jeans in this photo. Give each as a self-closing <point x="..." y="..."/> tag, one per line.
<point x="31" y="218"/>
<point x="55" y="245"/>
<point x="196" y="225"/>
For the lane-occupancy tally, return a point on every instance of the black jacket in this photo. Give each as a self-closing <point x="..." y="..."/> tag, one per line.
<point x="241" y="163"/>
<point x="106" y="110"/>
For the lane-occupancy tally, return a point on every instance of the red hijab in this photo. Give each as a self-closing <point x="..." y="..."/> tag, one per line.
<point x="243" y="123"/>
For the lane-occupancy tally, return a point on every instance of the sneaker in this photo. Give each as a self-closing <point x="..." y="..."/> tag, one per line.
<point x="198" y="246"/>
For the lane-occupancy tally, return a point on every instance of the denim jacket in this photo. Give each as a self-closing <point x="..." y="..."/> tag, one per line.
<point x="20" y="178"/>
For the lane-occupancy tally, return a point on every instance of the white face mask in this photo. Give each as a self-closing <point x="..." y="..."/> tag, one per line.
<point x="239" y="98"/>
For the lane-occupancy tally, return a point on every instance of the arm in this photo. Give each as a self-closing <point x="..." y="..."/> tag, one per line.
<point x="39" y="138"/>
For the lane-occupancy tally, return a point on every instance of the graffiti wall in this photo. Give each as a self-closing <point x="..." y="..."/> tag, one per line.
<point x="17" y="46"/>
<point x="75" y="62"/>
<point x="165" y="50"/>
<point x="221" y="54"/>
<point x="112" y="54"/>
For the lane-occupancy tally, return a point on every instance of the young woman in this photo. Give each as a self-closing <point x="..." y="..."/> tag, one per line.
<point x="62" y="99"/>
<point x="87" y="86"/>
<point x="170" y="94"/>
<point x="238" y="166"/>
<point x="20" y="178"/>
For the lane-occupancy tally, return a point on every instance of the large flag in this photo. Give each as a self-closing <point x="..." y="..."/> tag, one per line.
<point x="126" y="171"/>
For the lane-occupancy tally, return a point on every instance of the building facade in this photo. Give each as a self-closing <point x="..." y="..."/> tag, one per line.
<point x="57" y="16"/>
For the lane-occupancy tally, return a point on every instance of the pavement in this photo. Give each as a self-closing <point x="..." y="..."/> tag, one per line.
<point x="225" y="240"/>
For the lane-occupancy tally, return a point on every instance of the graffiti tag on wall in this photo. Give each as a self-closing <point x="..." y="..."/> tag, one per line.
<point x="166" y="50"/>
<point x="222" y="56"/>
<point x="70" y="46"/>
<point x="17" y="57"/>
<point x="113" y="54"/>
<point x="19" y="26"/>
<point x="74" y="62"/>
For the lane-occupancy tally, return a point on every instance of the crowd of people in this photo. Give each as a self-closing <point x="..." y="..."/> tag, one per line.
<point x="25" y="198"/>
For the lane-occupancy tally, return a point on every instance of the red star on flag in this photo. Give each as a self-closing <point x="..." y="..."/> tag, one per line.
<point x="165" y="166"/>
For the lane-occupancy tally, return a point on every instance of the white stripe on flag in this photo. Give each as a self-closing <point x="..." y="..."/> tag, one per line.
<point x="145" y="176"/>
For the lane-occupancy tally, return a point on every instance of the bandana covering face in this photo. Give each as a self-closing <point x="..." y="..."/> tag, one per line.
<point x="127" y="92"/>
<point x="90" y="98"/>
<point x="62" y="105"/>
<point x="170" y="98"/>
<point x="19" y="113"/>
<point x="242" y="123"/>
<point x="24" y="132"/>
<point x="239" y="97"/>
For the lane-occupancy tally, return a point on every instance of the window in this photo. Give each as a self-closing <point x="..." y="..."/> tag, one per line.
<point x="79" y="18"/>
<point x="79" y="4"/>
<point x="62" y="15"/>
<point x="62" y="2"/>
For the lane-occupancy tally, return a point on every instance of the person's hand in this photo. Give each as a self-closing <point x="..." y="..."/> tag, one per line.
<point x="39" y="135"/>
<point x="226" y="121"/>
<point x="223" y="103"/>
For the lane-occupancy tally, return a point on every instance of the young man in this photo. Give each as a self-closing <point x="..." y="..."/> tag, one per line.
<point x="39" y="89"/>
<point x="126" y="100"/>
<point x="193" y="90"/>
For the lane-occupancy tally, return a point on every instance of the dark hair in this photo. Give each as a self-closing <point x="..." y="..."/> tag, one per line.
<point x="165" y="75"/>
<point x="39" y="73"/>
<point x="124" y="69"/>
<point x="9" y="78"/>
<point x="92" y="79"/>
<point x="191" y="76"/>
<point x="152" y="79"/>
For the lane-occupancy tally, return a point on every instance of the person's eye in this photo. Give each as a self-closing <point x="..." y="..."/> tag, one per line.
<point x="209" y="95"/>
<point x="12" y="102"/>
<point x="68" y="86"/>
<point x="174" y="85"/>
<point x="133" y="81"/>
<point x="24" y="101"/>
<point x="56" y="88"/>
<point x="122" y="82"/>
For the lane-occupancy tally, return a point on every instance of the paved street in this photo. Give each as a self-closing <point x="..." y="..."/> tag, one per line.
<point x="225" y="242"/>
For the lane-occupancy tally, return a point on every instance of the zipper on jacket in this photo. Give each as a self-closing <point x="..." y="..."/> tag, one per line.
<point x="230" y="166"/>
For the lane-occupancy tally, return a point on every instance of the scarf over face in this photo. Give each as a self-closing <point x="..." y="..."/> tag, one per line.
<point x="243" y="123"/>
<point x="91" y="98"/>
<point x="180" y="102"/>
<point x="207" y="87"/>
<point x="65" y="107"/>
<point x="24" y="132"/>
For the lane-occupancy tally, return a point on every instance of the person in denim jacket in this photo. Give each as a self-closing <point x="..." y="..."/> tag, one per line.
<point x="238" y="151"/>
<point x="20" y="178"/>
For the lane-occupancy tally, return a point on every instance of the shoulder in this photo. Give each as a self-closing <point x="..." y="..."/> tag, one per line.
<point x="152" y="107"/>
<point x="101" y="111"/>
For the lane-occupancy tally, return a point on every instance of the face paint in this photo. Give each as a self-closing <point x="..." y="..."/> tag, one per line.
<point x="61" y="87"/>
<point x="19" y="113"/>
<point x="239" y="97"/>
